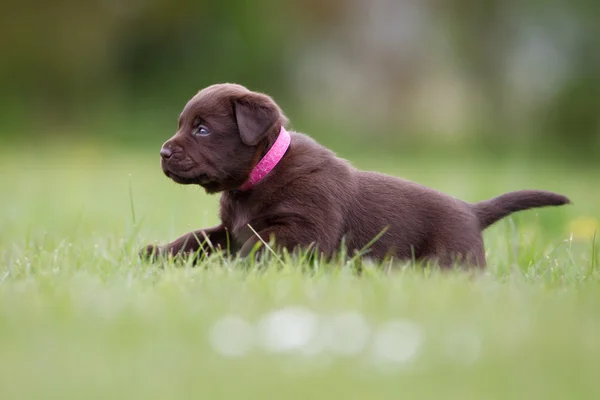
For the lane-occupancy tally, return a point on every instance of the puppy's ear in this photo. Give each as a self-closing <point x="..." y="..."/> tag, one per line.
<point x="256" y="115"/>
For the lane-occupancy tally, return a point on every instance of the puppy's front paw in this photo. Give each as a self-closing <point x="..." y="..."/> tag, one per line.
<point x="151" y="253"/>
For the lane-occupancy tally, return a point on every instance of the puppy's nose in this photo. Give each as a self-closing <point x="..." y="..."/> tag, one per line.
<point x="166" y="152"/>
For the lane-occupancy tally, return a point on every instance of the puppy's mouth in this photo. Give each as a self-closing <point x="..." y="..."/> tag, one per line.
<point x="188" y="179"/>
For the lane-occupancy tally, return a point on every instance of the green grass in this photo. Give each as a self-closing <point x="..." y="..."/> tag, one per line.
<point x="82" y="317"/>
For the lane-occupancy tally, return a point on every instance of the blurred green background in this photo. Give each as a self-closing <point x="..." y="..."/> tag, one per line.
<point x="503" y="78"/>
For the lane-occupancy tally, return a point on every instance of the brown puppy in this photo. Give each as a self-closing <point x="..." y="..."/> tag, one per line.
<point x="312" y="197"/>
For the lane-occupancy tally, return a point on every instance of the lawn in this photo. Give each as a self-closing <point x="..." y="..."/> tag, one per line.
<point x="82" y="317"/>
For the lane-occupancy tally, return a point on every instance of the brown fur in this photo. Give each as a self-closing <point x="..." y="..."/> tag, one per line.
<point x="313" y="197"/>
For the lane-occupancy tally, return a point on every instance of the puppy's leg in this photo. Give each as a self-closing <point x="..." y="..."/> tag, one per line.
<point x="285" y="237"/>
<point x="203" y="242"/>
<point x="470" y="255"/>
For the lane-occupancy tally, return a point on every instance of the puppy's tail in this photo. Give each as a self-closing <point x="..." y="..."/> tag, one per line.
<point x="490" y="211"/>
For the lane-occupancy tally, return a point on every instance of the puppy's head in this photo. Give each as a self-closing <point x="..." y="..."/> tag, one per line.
<point x="223" y="131"/>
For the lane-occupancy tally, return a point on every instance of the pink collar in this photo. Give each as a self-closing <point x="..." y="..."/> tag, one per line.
<point x="269" y="161"/>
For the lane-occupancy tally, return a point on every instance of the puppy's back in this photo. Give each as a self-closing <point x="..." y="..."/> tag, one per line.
<point x="412" y="214"/>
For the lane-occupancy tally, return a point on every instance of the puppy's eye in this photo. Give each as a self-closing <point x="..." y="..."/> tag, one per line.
<point x="201" y="130"/>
